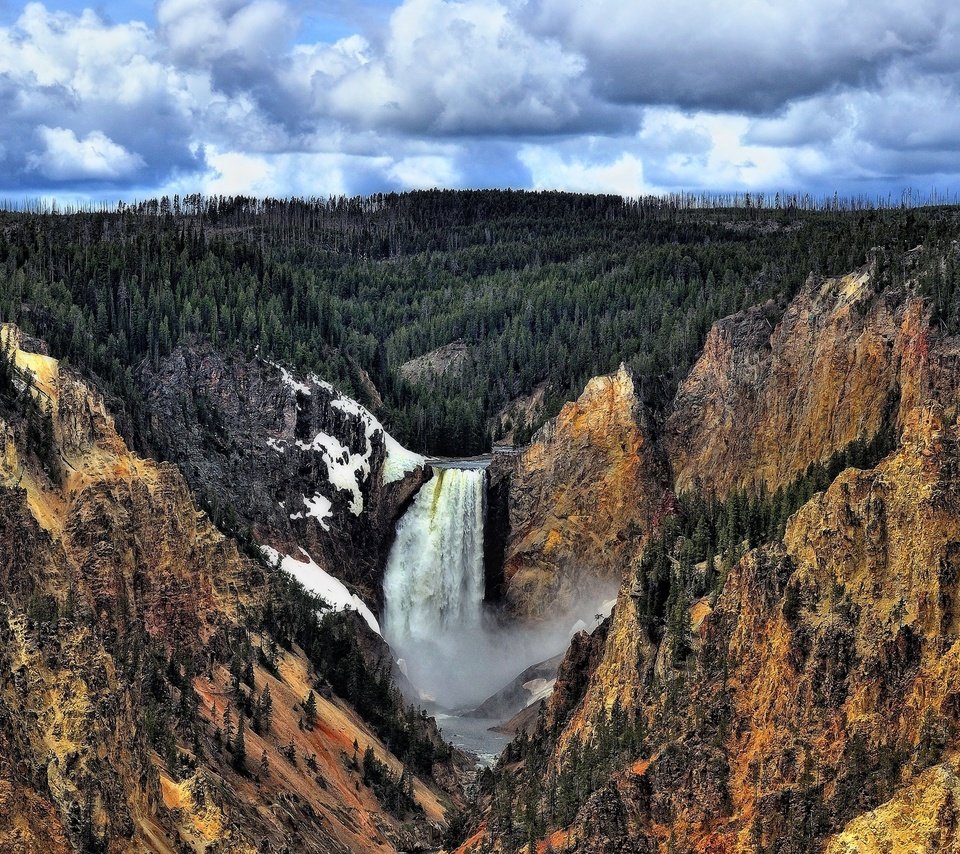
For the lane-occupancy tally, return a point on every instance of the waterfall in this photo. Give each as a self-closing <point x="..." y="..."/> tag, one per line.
<point x="434" y="581"/>
<point x="454" y="652"/>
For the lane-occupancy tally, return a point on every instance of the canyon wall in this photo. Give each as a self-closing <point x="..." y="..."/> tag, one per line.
<point x="583" y="496"/>
<point x="287" y="458"/>
<point x="812" y="699"/>
<point x="770" y="396"/>
<point x="825" y="682"/>
<point x="126" y="620"/>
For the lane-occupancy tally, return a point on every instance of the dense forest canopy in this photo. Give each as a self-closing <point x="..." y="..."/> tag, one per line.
<point x="542" y="287"/>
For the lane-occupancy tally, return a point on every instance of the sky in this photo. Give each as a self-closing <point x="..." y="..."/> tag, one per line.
<point x="123" y="100"/>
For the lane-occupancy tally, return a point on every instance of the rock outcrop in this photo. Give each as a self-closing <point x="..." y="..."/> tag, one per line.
<point x="289" y="459"/>
<point x="921" y="817"/>
<point x="773" y="392"/>
<point x="582" y="498"/>
<point x="448" y="359"/>
<point x="811" y="700"/>
<point x="519" y="417"/>
<point x="827" y="682"/>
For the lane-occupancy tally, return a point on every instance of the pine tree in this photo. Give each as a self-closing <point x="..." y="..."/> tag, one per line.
<point x="310" y="710"/>
<point x="370" y="764"/>
<point x="266" y="709"/>
<point x="264" y="765"/>
<point x="227" y="726"/>
<point x="239" y="747"/>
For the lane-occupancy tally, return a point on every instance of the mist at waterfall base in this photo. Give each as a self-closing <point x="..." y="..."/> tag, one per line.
<point x="453" y="649"/>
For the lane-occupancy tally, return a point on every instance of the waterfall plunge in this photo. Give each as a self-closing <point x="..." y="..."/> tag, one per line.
<point x="434" y="578"/>
<point x="433" y="586"/>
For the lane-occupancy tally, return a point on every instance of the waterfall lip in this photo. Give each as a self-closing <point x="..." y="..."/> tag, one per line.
<point x="481" y="461"/>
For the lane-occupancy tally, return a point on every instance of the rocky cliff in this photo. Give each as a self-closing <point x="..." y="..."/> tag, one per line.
<point x="289" y="459"/>
<point x="824" y="685"/>
<point x="772" y="394"/>
<point x="134" y="662"/>
<point x="762" y="686"/>
<point x="583" y="496"/>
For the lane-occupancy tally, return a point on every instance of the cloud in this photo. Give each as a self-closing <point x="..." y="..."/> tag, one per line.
<point x="907" y="112"/>
<point x="85" y="101"/>
<point x="438" y="68"/>
<point x="321" y="173"/>
<point x="200" y="32"/>
<point x="232" y="96"/>
<point x="753" y="55"/>
<point x="464" y="67"/>
<point x="674" y="150"/>
<point x="65" y="157"/>
<point x="424" y="172"/>
<point x="550" y="169"/>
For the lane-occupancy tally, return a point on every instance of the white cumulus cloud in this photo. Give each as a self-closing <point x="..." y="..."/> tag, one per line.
<point x="752" y="55"/>
<point x="549" y="169"/>
<point x="202" y="31"/>
<point x="462" y="67"/>
<point x="65" y="157"/>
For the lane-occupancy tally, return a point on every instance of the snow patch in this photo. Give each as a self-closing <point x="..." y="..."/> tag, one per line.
<point x="400" y="461"/>
<point x="295" y="384"/>
<point x="351" y="407"/>
<point x="345" y="470"/>
<point x="333" y="591"/>
<point x="323" y="384"/>
<point x="321" y="508"/>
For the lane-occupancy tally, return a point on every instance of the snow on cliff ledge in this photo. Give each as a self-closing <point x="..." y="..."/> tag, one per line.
<point x="333" y="591"/>
<point x="345" y="470"/>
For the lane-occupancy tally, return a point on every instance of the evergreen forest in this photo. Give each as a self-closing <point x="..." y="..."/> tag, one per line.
<point x="543" y="288"/>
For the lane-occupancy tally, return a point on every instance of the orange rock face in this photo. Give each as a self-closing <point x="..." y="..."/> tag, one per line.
<point x="819" y="707"/>
<point x="583" y="497"/>
<point x="827" y="680"/>
<point x="768" y="397"/>
<point x="771" y="393"/>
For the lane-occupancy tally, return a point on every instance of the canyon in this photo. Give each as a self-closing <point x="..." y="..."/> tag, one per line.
<point x="802" y="700"/>
<point x="140" y="643"/>
<point x="778" y="545"/>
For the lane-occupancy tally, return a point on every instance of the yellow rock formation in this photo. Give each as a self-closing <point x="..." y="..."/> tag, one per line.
<point x="584" y="496"/>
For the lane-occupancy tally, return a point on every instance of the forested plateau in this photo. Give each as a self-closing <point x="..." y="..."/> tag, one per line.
<point x="544" y="290"/>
